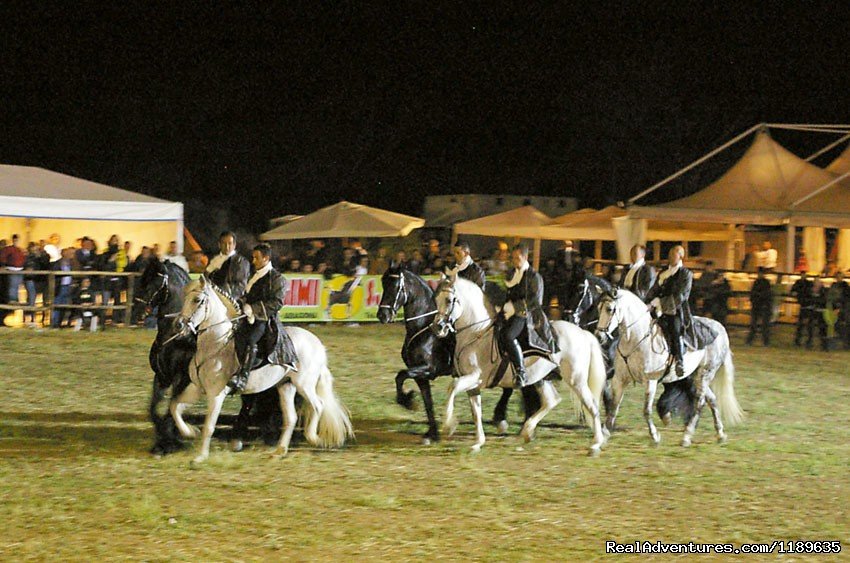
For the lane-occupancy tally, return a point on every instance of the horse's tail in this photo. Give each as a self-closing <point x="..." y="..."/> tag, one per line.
<point x="335" y="423"/>
<point x="596" y="378"/>
<point x="723" y="387"/>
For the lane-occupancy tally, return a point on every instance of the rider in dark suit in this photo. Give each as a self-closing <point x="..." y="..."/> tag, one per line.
<point x="229" y="270"/>
<point x="523" y="313"/>
<point x="261" y="303"/>
<point x="640" y="277"/>
<point x="465" y="267"/>
<point x="670" y="296"/>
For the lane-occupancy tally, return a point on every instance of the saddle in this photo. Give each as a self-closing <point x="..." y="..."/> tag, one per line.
<point x="527" y="351"/>
<point x="274" y="348"/>
<point x="700" y="335"/>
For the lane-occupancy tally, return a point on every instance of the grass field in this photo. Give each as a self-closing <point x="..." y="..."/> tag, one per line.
<point x="77" y="482"/>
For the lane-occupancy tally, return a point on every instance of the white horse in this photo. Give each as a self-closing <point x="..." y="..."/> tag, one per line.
<point x="462" y="307"/>
<point x="209" y="313"/>
<point x="642" y="357"/>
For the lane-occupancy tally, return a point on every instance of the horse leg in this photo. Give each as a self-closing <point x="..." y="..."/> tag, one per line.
<point x="549" y="399"/>
<point x="588" y="401"/>
<point x="651" y="385"/>
<point x="500" y="413"/>
<point x="608" y="398"/>
<point x="214" y="405"/>
<point x="692" y="424"/>
<point x="190" y="395"/>
<point x="477" y="417"/>
<point x="316" y="407"/>
<point x="458" y="385"/>
<point x="290" y="417"/>
<point x="241" y="424"/>
<point x="432" y="435"/>
<point x="617" y="391"/>
<point x="715" y="412"/>
<point x="402" y="398"/>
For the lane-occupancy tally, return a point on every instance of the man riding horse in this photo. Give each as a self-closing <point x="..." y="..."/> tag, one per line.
<point x="229" y="270"/>
<point x="465" y="267"/>
<point x="264" y="295"/>
<point x="523" y="314"/>
<point x="640" y="276"/>
<point x="670" y="296"/>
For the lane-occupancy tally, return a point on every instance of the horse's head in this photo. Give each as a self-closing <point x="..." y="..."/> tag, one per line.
<point x="394" y="293"/>
<point x="609" y="315"/>
<point x="449" y="307"/>
<point x="577" y="297"/>
<point x="152" y="287"/>
<point x="197" y="300"/>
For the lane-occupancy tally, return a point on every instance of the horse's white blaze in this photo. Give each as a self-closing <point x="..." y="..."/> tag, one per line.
<point x="579" y="358"/>
<point x="326" y="420"/>
<point x="642" y="357"/>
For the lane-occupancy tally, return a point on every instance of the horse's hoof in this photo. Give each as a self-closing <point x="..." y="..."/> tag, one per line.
<point x="426" y="441"/>
<point x="606" y="433"/>
<point x="406" y="400"/>
<point x="502" y="427"/>
<point x="722" y="439"/>
<point x="450" y="426"/>
<point x="526" y="435"/>
<point x="475" y="448"/>
<point x="197" y="462"/>
<point x="235" y="445"/>
<point x="666" y="419"/>
<point x="279" y="453"/>
<point x="686" y="442"/>
<point x="594" y="451"/>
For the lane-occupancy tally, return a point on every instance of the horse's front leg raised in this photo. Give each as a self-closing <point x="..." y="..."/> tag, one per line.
<point x="649" y="399"/>
<point x="240" y="427"/>
<point x="214" y="405"/>
<point x="549" y="399"/>
<point x="178" y="404"/>
<point x="692" y="423"/>
<point x="402" y="398"/>
<point x="500" y="413"/>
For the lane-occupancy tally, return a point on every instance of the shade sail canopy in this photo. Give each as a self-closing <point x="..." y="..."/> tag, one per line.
<point x="841" y="165"/>
<point x="761" y="188"/>
<point x="37" y="203"/>
<point x="523" y="222"/>
<point x="345" y="219"/>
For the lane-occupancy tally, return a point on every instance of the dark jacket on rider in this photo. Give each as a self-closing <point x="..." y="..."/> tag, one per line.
<point x="527" y="299"/>
<point x="641" y="282"/>
<point x="266" y="299"/>
<point x="233" y="276"/>
<point x="673" y="293"/>
<point x="473" y="273"/>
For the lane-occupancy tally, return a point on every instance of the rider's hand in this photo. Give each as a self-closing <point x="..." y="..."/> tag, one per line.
<point x="249" y="313"/>
<point x="508" y="310"/>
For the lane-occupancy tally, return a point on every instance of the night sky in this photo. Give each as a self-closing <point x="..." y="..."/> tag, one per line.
<point x="279" y="109"/>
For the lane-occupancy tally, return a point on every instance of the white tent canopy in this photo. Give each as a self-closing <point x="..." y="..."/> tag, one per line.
<point x="37" y="203"/>
<point x="345" y="219"/>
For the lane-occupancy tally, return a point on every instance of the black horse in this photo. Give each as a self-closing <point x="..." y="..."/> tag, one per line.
<point x="160" y="289"/>
<point x="425" y="355"/>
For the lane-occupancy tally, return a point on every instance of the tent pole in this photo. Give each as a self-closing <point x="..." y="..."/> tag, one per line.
<point x="694" y="164"/>
<point x="597" y="250"/>
<point x="827" y="147"/>
<point x="537" y="246"/>
<point x="656" y="250"/>
<point x="790" y="234"/>
<point x="730" y="248"/>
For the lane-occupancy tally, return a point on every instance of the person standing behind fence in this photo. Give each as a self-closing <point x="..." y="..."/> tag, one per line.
<point x="761" y="308"/>
<point x="64" y="286"/>
<point x="802" y="291"/>
<point x="114" y="259"/>
<point x="36" y="259"/>
<point x="175" y="257"/>
<point x="13" y="258"/>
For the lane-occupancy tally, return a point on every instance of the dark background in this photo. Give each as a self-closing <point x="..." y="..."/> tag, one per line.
<point x="277" y="108"/>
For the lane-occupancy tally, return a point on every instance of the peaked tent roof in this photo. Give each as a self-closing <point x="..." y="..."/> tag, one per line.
<point x="841" y="165"/>
<point x="31" y="192"/>
<point x="346" y="219"/>
<point x="759" y="189"/>
<point x="523" y="222"/>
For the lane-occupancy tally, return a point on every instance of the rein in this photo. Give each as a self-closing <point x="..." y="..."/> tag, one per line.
<point x="402" y="290"/>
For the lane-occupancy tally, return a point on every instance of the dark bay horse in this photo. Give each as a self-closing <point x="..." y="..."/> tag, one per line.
<point x="160" y="288"/>
<point x="425" y="355"/>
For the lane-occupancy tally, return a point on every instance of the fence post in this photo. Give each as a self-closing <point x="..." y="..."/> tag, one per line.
<point x="128" y="312"/>
<point x="51" y="295"/>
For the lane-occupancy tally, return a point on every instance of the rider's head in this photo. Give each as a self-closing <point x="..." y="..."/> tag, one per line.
<point x="638" y="251"/>
<point x="261" y="255"/>
<point x="460" y="251"/>
<point x="226" y="242"/>
<point x="677" y="254"/>
<point x="519" y="255"/>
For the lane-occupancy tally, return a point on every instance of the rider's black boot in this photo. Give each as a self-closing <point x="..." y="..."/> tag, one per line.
<point x="515" y="356"/>
<point x="240" y="379"/>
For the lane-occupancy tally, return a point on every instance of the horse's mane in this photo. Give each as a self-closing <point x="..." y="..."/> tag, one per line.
<point x="233" y="306"/>
<point x="471" y="288"/>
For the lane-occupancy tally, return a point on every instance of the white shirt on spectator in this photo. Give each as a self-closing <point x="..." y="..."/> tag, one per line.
<point x="767" y="258"/>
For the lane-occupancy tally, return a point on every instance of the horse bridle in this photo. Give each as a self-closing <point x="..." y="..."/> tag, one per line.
<point x="162" y="287"/>
<point x="444" y="320"/>
<point x="577" y="312"/>
<point x="402" y="290"/>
